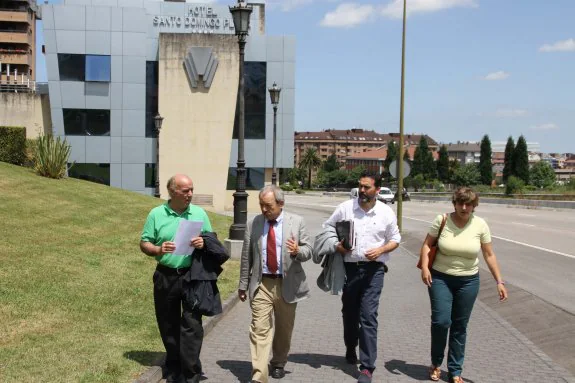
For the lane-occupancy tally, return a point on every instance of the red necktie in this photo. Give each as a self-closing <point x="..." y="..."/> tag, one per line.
<point x="272" y="259"/>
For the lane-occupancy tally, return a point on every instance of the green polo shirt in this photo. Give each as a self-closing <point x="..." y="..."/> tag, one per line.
<point x="162" y="225"/>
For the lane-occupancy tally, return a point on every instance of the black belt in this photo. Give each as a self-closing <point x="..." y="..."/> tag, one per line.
<point x="171" y="271"/>
<point x="273" y="276"/>
<point x="368" y="263"/>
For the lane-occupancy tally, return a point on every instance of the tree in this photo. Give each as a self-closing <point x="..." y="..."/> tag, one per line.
<point x="508" y="161"/>
<point x="443" y="164"/>
<point x="521" y="160"/>
<point x="467" y="175"/>
<point x="454" y="166"/>
<point x="423" y="161"/>
<point x="309" y="161"/>
<point x="485" y="167"/>
<point x="542" y="174"/>
<point x="353" y="177"/>
<point x="331" y="163"/>
<point x="392" y="155"/>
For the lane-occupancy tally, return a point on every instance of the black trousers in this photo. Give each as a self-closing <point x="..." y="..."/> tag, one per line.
<point x="361" y="293"/>
<point x="181" y="330"/>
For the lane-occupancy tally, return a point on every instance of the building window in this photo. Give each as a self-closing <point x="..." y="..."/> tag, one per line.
<point x="255" y="101"/>
<point x="254" y="178"/>
<point x="151" y="97"/>
<point x="150" y="175"/>
<point x="99" y="173"/>
<point x="98" y="68"/>
<point x="86" y="122"/>
<point x="72" y="67"/>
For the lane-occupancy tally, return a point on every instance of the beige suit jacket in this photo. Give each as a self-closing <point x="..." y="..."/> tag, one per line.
<point x="294" y="286"/>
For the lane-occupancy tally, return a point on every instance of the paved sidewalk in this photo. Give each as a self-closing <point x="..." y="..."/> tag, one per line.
<point x="496" y="352"/>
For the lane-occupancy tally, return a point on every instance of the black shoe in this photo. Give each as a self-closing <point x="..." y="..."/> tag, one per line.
<point x="278" y="372"/>
<point x="351" y="356"/>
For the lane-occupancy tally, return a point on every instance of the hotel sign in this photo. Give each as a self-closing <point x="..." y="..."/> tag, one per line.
<point x="197" y="19"/>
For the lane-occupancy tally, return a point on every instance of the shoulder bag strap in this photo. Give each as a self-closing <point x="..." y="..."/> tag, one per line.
<point x="443" y="221"/>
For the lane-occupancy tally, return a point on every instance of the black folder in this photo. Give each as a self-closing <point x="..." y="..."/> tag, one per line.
<point x="344" y="230"/>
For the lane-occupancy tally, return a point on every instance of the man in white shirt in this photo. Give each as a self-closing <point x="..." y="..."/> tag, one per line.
<point x="376" y="235"/>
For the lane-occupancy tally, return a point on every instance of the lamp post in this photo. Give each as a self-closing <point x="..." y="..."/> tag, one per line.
<point x="400" y="162"/>
<point x="275" y="98"/>
<point x="241" y="16"/>
<point x="158" y="120"/>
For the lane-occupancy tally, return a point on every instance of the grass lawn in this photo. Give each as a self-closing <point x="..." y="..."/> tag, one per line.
<point x="75" y="291"/>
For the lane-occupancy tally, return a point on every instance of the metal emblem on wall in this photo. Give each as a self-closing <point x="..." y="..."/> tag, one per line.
<point x="200" y="63"/>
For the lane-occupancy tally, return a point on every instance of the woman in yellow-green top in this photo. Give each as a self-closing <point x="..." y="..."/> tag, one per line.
<point x="453" y="281"/>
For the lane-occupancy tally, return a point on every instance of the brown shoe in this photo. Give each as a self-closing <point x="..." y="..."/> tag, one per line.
<point x="434" y="373"/>
<point x="456" y="379"/>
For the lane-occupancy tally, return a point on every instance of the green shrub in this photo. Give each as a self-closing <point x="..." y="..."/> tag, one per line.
<point x="299" y="191"/>
<point x="30" y="145"/>
<point x="51" y="156"/>
<point x="287" y="187"/>
<point x="514" y="186"/>
<point x="13" y="144"/>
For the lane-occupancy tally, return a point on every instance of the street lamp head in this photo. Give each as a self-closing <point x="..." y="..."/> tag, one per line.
<point x="241" y="16"/>
<point x="275" y="94"/>
<point x="158" y="120"/>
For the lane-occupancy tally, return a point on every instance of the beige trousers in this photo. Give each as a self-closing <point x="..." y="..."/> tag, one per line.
<point x="267" y="300"/>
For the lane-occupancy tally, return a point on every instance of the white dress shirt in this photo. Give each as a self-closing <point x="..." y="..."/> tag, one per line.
<point x="278" y="231"/>
<point x="372" y="229"/>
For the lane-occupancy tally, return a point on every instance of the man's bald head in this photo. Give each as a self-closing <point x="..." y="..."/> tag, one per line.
<point x="178" y="179"/>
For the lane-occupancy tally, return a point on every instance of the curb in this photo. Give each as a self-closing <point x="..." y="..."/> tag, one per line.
<point x="154" y="373"/>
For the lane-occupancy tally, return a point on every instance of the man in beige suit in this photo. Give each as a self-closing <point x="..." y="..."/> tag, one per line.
<point x="275" y="245"/>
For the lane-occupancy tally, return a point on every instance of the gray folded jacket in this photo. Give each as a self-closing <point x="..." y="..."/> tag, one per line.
<point x="332" y="277"/>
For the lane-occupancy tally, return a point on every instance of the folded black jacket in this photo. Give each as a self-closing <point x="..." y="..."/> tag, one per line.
<point x="201" y="294"/>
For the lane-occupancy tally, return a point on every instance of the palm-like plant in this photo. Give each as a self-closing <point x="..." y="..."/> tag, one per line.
<point x="310" y="160"/>
<point x="51" y="156"/>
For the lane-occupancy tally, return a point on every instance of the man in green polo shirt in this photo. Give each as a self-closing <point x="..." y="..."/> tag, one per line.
<point x="181" y="330"/>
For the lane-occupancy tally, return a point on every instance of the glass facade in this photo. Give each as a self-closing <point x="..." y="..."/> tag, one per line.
<point x="255" y="101"/>
<point x="75" y="67"/>
<point x="150" y="175"/>
<point x="71" y="67"/>
<point x="254" y="178"/>
<point x="86" y="122"/>
<point x="99" y="173"/>
<point x="151" y="97"/>
<point x="98" y="68"/>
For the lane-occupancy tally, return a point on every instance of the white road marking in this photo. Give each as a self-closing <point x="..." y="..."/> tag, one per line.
<point x="524" y="224"/>
<point x="513" y="241"/>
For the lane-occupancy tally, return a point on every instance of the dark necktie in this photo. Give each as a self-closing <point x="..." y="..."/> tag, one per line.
<point x="272" y="259"/>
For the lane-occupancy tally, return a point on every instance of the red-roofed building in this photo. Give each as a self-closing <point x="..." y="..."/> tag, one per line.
<point x="373" y="160"/>
<point x="345" y="143"/>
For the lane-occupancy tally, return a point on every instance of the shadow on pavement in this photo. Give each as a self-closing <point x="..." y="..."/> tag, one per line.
<point x="414" y="371"/>
<point x="319" y="360"/>
<point x="240" y="368"/>
<point x="146" y="358"/>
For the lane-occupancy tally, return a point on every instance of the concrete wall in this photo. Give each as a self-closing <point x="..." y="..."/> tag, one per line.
<point x="26" y="109"/>
<point x="198" y="124"/>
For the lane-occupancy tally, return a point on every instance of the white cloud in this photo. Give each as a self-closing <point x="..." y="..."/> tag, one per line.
<point x="548" y="126"/>
<point x="348" y="15"/>
<point x="395" y="8"/>
<point x="495" y="76"/>
<point x="560" y="46"/>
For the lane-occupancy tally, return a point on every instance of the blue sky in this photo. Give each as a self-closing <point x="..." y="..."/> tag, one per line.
<point x="473" y="67"/>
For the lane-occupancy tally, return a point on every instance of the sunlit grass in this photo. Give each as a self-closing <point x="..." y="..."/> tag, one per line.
<point x="75" y="291"/>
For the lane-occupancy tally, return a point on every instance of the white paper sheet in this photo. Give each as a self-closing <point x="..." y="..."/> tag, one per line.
<point x="186" y="231"/>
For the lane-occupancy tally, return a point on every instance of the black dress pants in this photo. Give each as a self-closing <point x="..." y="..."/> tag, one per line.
<point x="181" y="330"/>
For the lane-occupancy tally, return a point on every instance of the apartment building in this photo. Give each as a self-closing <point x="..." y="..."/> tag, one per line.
<point x="346" y="143"/>
<point x="17" y="43"/>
